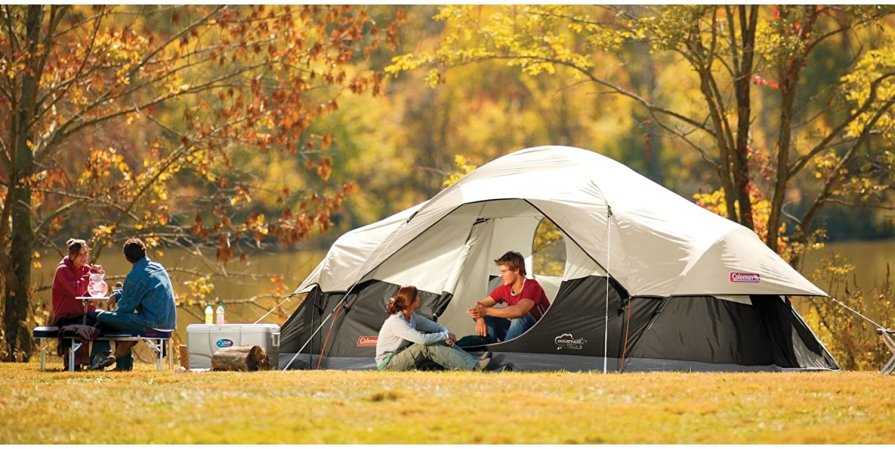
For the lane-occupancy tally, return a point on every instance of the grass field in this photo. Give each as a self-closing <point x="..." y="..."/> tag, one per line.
<point x="146" y="406"/>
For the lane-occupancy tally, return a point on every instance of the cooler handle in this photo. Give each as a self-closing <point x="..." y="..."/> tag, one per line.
<point x="276" y="339"/>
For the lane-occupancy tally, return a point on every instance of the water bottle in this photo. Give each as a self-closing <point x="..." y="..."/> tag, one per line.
<point x="220" y="313"/>
<point x="209" y="312"/>
<point x="96" y="285"/>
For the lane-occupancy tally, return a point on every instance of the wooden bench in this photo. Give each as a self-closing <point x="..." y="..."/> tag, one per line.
<point x="159" y="341"/>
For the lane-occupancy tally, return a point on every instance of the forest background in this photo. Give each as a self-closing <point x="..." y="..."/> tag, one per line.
<point x="223" y="134"/>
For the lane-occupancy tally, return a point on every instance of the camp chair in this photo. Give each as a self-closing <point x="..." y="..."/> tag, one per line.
<point x="887" y="335"/>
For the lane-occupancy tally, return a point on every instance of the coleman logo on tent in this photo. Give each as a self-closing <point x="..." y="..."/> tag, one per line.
<point x="366" y="340"/>
<point x="569" y="342"/>
<point x="752" y="278"/>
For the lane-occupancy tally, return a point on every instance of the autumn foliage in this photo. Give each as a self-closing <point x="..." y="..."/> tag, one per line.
<point x="135" y="121"/>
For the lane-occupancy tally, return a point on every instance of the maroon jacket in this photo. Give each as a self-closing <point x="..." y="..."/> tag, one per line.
<point x="67" y="284"/>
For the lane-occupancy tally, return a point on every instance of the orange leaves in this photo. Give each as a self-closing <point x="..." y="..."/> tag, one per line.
<point x="761" y="81"/>
<point x="325" y="169"/>
<point x="224" y="251"/>
<point x="151" y="116"/>
<point x="198" y="229"/>
<point x="279" y="287"/>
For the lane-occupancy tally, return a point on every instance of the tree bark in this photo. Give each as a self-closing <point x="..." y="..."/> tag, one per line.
<point x="18" y="280"/>
<point x="789" y="72"/>
<point x="743" y="62"/>
<point x="240" y="358"/>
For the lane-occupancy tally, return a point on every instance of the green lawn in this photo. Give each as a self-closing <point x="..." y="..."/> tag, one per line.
<point x="146" y="406"/>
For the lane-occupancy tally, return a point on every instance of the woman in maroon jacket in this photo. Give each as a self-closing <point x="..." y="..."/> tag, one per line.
<point x="70" y="281"/>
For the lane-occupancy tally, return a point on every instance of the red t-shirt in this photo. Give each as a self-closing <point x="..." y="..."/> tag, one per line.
<point x="68" y="283"/>
<point x="530" y="290"/>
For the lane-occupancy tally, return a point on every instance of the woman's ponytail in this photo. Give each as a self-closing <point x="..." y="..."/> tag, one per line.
<point x="405" y="296"/>
<point x="391" y="307"/>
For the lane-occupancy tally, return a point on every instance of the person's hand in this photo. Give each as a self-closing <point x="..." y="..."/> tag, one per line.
<point x="477" y="311"/>
<point x="97" y="268"/>
<point x="450" y="341"/>
<point x="481" y="328"/>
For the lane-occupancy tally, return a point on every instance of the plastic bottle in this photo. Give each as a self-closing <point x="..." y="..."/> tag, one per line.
<point x="209" y="312"/>
<point x="220" y="313"/>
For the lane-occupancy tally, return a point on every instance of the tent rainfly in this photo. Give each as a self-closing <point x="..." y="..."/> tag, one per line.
<point x="646" y="280"/>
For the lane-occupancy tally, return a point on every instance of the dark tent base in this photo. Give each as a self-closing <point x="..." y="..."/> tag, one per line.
<point x="694" y="333"/>
<point x="551" y="362"/>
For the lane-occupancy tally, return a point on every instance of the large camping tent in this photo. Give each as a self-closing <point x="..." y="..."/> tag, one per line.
<point x="648" y="280"/>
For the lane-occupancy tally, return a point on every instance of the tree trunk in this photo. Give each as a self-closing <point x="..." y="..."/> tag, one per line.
<point x="18" y="281"/>
<point x="240" y="358"/>
<point x="789" y="72"/>
<point x="744" y="111"/>
<point x="652" y="145"/>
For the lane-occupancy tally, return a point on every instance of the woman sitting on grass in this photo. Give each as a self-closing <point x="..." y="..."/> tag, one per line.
<point x="408" y="339"/>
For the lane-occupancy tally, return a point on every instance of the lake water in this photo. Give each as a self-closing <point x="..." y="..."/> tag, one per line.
<point x="869" y="258"/>
<point x="251" y="278"/>
<point x="244" y="280"/>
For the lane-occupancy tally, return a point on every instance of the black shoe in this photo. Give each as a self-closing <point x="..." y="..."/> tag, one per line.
<point x="503" y="368"/>
<point x="101" y="363"/>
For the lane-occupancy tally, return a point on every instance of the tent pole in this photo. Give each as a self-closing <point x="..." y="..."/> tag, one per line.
<point x="608" y="253"/>
<point x="288" y="298"/>
<point x="344" y="297"/>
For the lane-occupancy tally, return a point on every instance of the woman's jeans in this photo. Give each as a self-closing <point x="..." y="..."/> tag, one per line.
<point x="504" y="329"/>
<point x="450" y="357"/>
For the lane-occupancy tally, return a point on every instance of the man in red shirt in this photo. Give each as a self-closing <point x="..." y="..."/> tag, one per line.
<point x="525" y="299"/>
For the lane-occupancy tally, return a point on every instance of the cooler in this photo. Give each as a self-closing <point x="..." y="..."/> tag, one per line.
<point x="202" y="340"/>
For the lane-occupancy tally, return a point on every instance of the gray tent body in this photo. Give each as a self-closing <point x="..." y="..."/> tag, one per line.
<point x="651" y="281"/>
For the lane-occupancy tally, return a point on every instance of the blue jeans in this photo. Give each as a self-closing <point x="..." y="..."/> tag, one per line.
<point x="121" y="322"/>
<point x="504" y="329"/>
<point x="450" y="357"/>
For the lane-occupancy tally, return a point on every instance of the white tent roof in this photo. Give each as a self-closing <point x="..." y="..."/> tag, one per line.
<point x="659" y="244"/>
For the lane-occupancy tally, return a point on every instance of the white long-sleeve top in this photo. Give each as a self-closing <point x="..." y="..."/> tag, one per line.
<point x="398" y="333"/>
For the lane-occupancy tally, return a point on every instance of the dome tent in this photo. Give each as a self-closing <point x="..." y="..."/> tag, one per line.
<point x="651" y="281"/>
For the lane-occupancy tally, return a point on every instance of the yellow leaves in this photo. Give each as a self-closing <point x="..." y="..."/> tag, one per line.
<point x="103" y="232"/>
<point x="176" y="89"/>
<point x="463" y="168"/>
<point x="35" y="260"/>
<point x="872" y="83"/>
<point x="256" y="225"/>
<point x="241" y="196"/>
<point x="136" y="89"/>
<point x="152" y="241"/>
<point x="825" y="164"/>
<point x="199" y="290"/>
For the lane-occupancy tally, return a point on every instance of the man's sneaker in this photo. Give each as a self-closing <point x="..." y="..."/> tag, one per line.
<point x="101" y="363"/>
<point x="507" y="367"/>
<point x="483" y="364"/>
<point x="485" y="355"/>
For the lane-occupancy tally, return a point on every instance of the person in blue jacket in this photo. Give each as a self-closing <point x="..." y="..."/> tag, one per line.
<point x="145" y="304"/>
